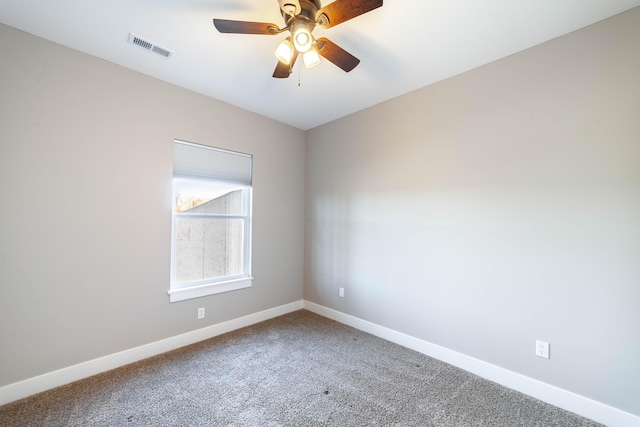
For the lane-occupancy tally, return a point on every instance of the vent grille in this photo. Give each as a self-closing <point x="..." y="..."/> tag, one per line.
<point x="147" y="45"/>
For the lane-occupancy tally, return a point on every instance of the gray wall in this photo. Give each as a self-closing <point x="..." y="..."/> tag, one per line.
<point x="85" y="178"/>
<point x="495" y="208"/>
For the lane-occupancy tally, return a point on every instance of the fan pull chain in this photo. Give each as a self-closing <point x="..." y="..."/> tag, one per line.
<point x="299" y="75"/>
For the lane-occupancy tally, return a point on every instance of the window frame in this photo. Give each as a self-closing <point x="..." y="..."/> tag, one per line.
<point x="215" y="285"/>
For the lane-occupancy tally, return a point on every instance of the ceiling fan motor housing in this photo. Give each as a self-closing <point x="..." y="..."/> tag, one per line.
<point x="289" y="7"/>
<point x="307" y="10"/>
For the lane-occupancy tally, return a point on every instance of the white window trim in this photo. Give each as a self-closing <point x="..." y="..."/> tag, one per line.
<point x="215" y="285"/>
<point x="182" y="294"/>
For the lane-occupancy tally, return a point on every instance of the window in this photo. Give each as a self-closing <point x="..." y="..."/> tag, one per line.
<point x="211" y="221"/>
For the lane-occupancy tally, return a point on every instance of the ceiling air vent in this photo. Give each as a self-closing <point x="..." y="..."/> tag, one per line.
<point x="152" y="47"/>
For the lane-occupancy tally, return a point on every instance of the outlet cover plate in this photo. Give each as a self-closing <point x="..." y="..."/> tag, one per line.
<point x="542" y="349"/>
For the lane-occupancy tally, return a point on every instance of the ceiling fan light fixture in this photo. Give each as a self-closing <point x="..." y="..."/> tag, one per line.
<point x="302" y="39"/>
<point x="284" y="51"/>
<point x="311" y="58"/>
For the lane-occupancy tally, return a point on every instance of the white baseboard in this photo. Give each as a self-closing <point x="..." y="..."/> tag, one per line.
<point x="553" y="395"/>
<point x="28" y="387"/>
<point x="561" y="398"/>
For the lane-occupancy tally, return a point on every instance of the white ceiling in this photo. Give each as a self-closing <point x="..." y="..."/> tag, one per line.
<point x="403" y="46"/>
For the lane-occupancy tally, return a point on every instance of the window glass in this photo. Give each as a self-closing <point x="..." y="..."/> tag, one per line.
<point x="206" y="196"/>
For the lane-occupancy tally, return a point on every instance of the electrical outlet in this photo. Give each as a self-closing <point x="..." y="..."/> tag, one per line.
<point x="542" y="349"/>
<point x="341" y="292"/>
<point x="201" y="313"/>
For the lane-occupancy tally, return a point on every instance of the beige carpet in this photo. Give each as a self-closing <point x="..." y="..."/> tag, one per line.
<point x="296" y="370"/>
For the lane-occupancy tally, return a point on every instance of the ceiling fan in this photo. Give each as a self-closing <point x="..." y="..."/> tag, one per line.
<point x="301" y="17"/>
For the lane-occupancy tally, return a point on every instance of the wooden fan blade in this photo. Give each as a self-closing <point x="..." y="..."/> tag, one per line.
<point x="245" y="27"/>
<point x="283" y="70"/>
<point x="342" y="10"/>
<point x="336" y="54"/>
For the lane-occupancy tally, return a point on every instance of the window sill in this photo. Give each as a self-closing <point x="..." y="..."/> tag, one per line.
<point x="182" y="294"/>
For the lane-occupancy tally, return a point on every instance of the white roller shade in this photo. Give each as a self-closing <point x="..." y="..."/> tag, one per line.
<point x="197" y="160"/>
